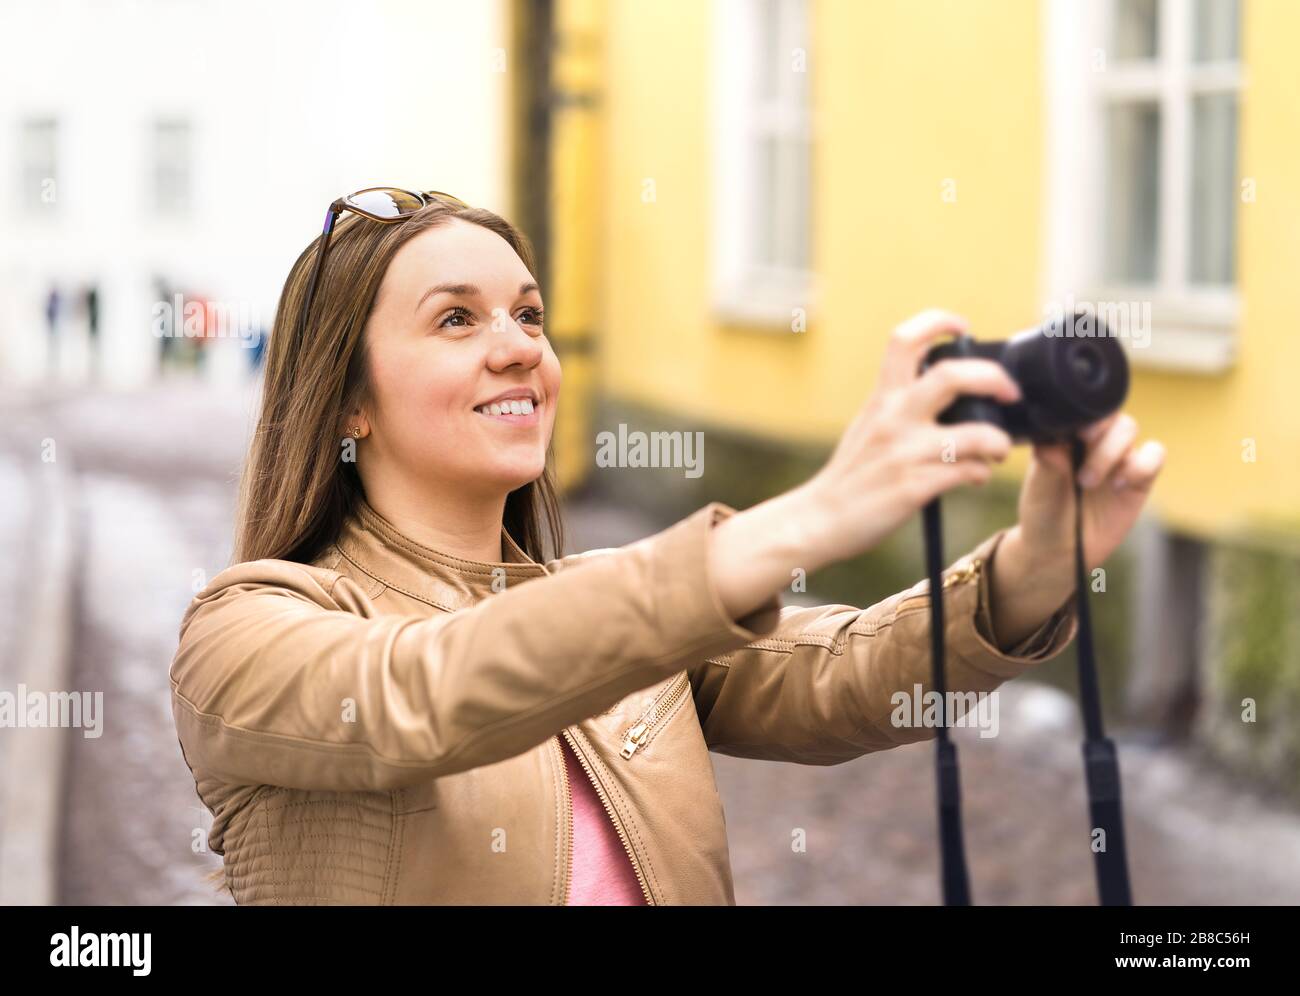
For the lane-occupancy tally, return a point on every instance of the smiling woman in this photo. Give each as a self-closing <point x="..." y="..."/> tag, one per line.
<point x="396" y="694"/>
<point x="456" y="324"/>
<point x="416" y="325"/>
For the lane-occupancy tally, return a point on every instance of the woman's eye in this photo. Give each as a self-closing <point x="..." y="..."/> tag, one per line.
<point x="456" y="313"/>
<point x="538" y="315"/>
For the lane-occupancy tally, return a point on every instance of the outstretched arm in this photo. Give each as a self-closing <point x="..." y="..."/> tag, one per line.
<point x="821" y="688"/>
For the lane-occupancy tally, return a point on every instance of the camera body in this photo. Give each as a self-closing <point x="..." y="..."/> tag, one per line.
<point x="1071" y="372"/>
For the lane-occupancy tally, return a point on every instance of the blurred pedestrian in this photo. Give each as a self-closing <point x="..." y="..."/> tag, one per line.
<point x="206" y="330"/>
<point x="91" y="303"/>
<point x="166" y="334"/>
<point x="257" y="351"/>
<point x="52" y="304"/>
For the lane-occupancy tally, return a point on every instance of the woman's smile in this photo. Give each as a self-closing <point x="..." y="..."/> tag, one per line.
<point x="521" y="408"/>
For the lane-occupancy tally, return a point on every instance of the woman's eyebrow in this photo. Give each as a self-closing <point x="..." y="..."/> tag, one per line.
<point x="466" y="290"/>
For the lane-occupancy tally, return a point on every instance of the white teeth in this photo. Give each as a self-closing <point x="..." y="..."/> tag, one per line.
<point x="515" y="406"/>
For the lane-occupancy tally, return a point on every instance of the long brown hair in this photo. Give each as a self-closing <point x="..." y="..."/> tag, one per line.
<point x="296" y="490"/>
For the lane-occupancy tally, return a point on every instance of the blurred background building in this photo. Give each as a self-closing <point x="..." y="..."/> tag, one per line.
<point x="191" y="144"/>
<point x="734" y="202"/>
<point x="778" y="183"/>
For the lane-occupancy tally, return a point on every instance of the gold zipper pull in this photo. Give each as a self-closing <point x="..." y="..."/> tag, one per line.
<point x="634" y="738"/>
<point x="960" y="576"/>
<point x="963" y="574"/>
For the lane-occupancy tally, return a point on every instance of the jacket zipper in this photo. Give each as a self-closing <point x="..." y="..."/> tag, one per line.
<point x="568" y="820"/>
<point x="609" y="811"/>
<point x="660" y="708"/>
<point x="960" y="576"/>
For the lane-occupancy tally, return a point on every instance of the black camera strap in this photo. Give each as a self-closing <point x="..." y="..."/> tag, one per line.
<point x="1101" y="763"/>
<point x="956" y="885"/>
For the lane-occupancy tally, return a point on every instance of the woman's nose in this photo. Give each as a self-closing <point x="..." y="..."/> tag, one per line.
<point x="510" y="344"/>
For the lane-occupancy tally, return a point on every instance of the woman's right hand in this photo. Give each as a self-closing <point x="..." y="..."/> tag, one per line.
<point x="893" y="458"/>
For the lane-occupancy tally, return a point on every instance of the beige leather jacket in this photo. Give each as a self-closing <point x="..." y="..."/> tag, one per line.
<point x="382" y="726"/>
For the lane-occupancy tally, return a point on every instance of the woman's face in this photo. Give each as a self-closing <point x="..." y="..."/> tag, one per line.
<point x="457" y="325"/>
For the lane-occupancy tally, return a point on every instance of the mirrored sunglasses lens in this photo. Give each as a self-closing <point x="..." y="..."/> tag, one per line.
<point x="386" y="202"/>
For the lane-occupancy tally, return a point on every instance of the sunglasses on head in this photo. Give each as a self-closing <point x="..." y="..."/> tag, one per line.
<point x="382" y="204"/>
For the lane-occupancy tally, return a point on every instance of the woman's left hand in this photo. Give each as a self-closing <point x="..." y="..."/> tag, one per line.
<point x="1034" y="568"/>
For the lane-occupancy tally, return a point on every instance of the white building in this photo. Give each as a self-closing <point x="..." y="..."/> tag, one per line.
<point x="203" y="141"/>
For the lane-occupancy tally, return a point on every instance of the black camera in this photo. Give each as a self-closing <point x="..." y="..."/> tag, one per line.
<point x="1071" y="372"/>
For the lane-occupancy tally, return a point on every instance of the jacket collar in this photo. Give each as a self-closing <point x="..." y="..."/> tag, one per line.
<point x="378" y="549"/>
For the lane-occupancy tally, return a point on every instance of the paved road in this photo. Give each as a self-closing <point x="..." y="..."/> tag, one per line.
<point x="151" y="503"/>
<point x="1195" y="836"/>
<point x="154" y="482"/>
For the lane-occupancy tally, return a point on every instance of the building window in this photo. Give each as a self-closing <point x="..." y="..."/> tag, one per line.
<point x="1143" y="98"/>
<point x="763" y="126"/>
<point x="39" y="174"/>
<point x="172" y="167"/>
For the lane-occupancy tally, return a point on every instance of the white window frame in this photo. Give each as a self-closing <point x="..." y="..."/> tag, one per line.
<point x="1194" y="329"/>
<point x="744" y="291"/>
<point x="182" y="167"/>
<point x="34" y="170"/>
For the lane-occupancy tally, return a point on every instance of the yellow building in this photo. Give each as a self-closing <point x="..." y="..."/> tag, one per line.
<point x="917" y="148"/>
<point x="747" y="195"/>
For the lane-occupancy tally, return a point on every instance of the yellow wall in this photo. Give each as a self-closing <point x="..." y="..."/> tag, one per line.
<point x="910" y="92"/>
<point x="577" y="171"/>
<point x="1205" y="486"/>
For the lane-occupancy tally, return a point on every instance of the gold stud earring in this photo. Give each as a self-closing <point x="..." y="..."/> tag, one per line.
<point x="356" y="432"/>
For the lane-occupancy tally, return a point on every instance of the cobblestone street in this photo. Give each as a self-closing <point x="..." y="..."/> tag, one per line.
<point x="151" y="499"/>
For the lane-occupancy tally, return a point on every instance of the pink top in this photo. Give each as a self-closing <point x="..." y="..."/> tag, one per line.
<point x="602" y="873"/>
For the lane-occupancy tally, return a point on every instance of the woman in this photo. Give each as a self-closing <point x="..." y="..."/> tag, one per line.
<point x="395" y="696"/>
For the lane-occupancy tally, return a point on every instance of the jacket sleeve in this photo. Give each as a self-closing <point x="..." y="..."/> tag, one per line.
<point x="820" y="689"/>
<point x="286" y="676"/>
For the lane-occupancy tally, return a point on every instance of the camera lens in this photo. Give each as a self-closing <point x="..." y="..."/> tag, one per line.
<point x="1087" y="365"/>
<point x="1067" y="378"/>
